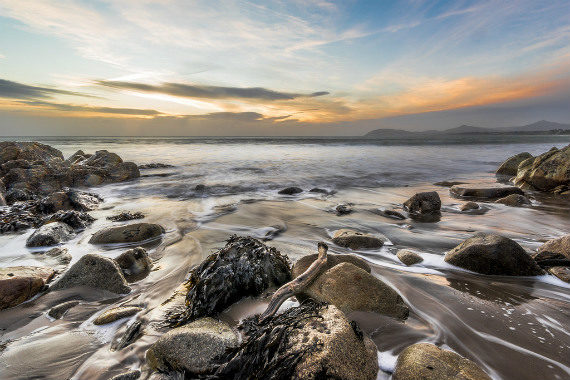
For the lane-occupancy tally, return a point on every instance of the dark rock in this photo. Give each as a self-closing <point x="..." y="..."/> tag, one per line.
<point x="555" y="252"/>
<point x="351" y="288"/>
<point x="115" y="314"/>
<point x="94" y="271"/>
<point x="18" y="218"/>
<point x="55" y="202"/>
<point x="18" y="195"/>
<point x="493" y="254"/>
<point x="332" y="260"/>
<point x="76" y="157"/>
<point x="511" y="165"/>
<point x="19" y="284"/>
<point x="562" y="273"/>
<point x="130" y="233"/>
<point x="69" y="199"/>
<point x="200" y="188"/>
<point x="343" y="209"/>
<point x="470" y="206"/>
<point x="356" y="240"/>
<point x="29" y="151"/>
<point x="392" y="214"/>
<point x="135" y="264"/>
<point x="61" y="254"/>
<point x="50" y="234"/>
<point x="423" y="203"/>
<point x="448" y="183"/>
<point x="191" y="348"/>
<point x="409" y="257"/>
<point x="484" y="191"/>
<point x="549" y="171"/>
<point x="83" y="201"/>
<point x="244" y="267"/>
<point x="514" y="200"/>
<point x="133" y="332"/>
<point x="58" y="311"/>
<point x="425" y="361"/>
<point x="125" y="216"/>
<point x="320" y="191"/>
<point x="131" y="375"/>
<point x="77" y="220"/>
<point x="155" y="165"/>
<point x="309" y="342"/>
<point x="290" y="191"/>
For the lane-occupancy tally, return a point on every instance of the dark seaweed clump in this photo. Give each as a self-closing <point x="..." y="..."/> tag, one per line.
<point x="245" y="267"/>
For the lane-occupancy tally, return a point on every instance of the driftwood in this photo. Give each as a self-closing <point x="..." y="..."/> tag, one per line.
<point x="298" y="284"/>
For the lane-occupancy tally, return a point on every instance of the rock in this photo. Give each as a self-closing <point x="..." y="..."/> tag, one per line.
<point x="470" y="206"/>
<point x="19" y="284"/>
<point x="332" y="260"/>
<point x="320" y="191"/>
<point x="493" y="254"/>
<point x="103" y="159"/>
<point x="29" y="151"/>
<point x="61" y="254"/>
<point x="483" y="191"/>
<point x="125" y="216"/>
<point x="200" y="188"/>
<point x="18" y="218"/>
<point x="555" y="252"/>
<point x="290" y="191"/>
<point x="132" y="333"/>
<point x="18" y="195"/>
<point x="343" y="209"/>
<point x="50" y="234"/>
<point x="356" y="240"/>
<point x="77" y="220"/>
<point x="409" y="257"/>
<point x="511" y="165"/>
<point x="562" y="273"/>
<point x="131" y="375"/>
<point x="191" y="348"/>
<point x="448" y="183"/>
<point x="351" y="288"/>
<point x="130" y="233"/>
<point x="94" y="271"/>
<point x="55" y="202"/>
<point x="245" y="267"/>
<point x="76" y="157"/>
<point x="82" y="200"/>
<point x="155" y="165"/>
<point x="392" y="214"/>
<point x="2" y="200"/>
<point x="425" y="361"/>
<point x="514" y="200"/>
<point x="308" y="342"/>
<point x="135" y="264"/>
<point x="549" y="171"/>
<point x="58" y="311"/>
<point x="423" y="203"/>
<point x="115" y="314"/>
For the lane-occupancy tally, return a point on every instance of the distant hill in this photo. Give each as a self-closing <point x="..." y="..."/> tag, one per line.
<point x="539" y="127"/>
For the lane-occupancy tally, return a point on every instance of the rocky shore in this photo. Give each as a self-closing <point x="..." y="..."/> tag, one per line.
<point x="312" y="335"/>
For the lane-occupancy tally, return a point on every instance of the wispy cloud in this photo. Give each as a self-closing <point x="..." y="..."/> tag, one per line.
<point x="15" y="90"/>
<point x="92" y="109"/>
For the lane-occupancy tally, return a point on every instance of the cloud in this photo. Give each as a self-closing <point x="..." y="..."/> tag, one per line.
<point x="92" y="109"/>
<point x="15" y="90"/>
<point x="208" y="92"/>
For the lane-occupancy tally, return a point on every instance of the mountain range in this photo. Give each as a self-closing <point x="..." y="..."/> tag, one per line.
<point x="539" y="127"/>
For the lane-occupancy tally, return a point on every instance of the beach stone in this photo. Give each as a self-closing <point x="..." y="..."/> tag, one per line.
<point x="50" y="234"/>
<point x="423" y="203"/>
<point x="332" y="260"/>
<point x="425" y="361"/>
<point x="61" y="254"/>
<point x="409" y="257"/>
<point x="82" y="200"/>
<point x="130" y="375"/>
<point x="56" y="201"/>
<point x="511" y="164"/>
<point x="343" y="209"/>
<point x="126" y="216"/>
<point x="448" y="183"/>
<point x="351" y="288"/>
<point x="191" y="348"/>
<point x="77" y="220"/>
<point x="555" y="252"/>
<point x="562" y="273"/>
<point x="19" y="284"/>
<point x="470" y="206"/>
<point x="94" y="271"/>
<point x="135" y="264"/>
<point x="356" y="240"/>
<point x="392" y="214"/>
<point x="290" y="191"/>
<point x="483" y="191"/>
<point x="494" y="255"/>
<point x="130" y="233"/>
<point x="318" y="190"/>
<point x="115" y="314"/>
<point x="58" y="311"/>
<point x="547" y="172"/>
<point x="514" y="200"/>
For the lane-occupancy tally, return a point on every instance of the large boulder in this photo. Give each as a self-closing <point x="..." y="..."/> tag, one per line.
<point x="29" y="151"/>
<point x="245" y="267"/>
<point x="511" y="164"/>
<point x="423" y="203"/>
<point x="332" y="260"/>
<point x="356" y="240"/>
<point x="562" y="273"/>
<point x="135" y="264"/>
<point x="50" y="234"/>
<point x="555" y="252"/>
<point x="191" y="348"/>
<point x="130" y="233"/>
<point x="94" y="271"/>
<point x="308" y="342"/>
<point x="351" y="288"/>
<point x="493" y="254"/>
<point x="548" y="172"/>
<point x="484" y="191"/>
<point x="19" y="284"/>
<point x="425" y="361"/>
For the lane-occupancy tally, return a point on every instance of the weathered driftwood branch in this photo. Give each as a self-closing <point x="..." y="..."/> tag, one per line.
<point x="298" y="284"/>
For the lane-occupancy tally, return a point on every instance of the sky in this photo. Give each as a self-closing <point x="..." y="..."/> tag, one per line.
<point x="276" y="67"/>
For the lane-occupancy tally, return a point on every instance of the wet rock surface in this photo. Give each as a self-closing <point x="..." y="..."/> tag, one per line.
<point x="554" y="252"/>
<point x="561" y="272"/>
<point x="423" y="203"/>
<point x="50" y="234"/>
<point x="19" y="284"/>
<point x="332" y="260"/>
<point x="548" y="172"/>
<point x="409" y="257"/>
<point x="483" y="191"/>
<point x="493" y="254"/>
<point x="58" y="311"/>
<point x="126" y="216"/>
<point x="356" y="240"/>
<point x="244" y="267"/>
<point x="343" y="209"/>
<point x="514" y="200"/>
<point x="115" y="314"/>
<point x="510" y="165"/>
<point x="77" y="220"/>
<point x="467" y="206"/>
<point x="425" y="361"/>
<point x="392" y="214"/>
<point x="290" y="191"/>
<point x="135" y="264"/>
<point x="130" y="233"/>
